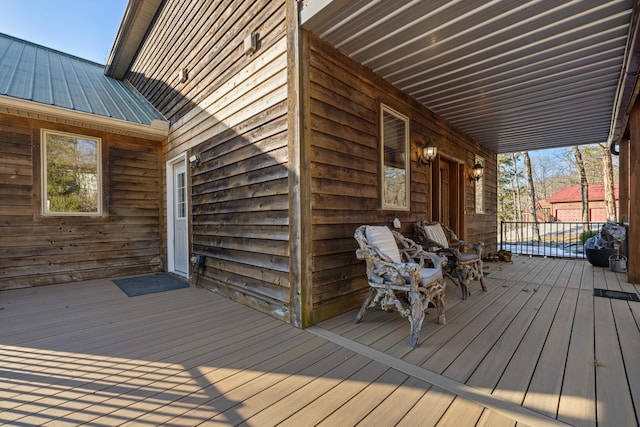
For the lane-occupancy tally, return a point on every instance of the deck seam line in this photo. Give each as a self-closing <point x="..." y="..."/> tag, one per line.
<point x="510" y="409"/>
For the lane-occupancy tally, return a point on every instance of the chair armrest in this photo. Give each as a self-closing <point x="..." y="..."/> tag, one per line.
<point x="451" y="252"/>
<point x="407" y="246"/>
<point x="477" y="247"/>
<point x="398" y="275"/>
<point x="438" y="261"/>
<point x="413" y="252"/>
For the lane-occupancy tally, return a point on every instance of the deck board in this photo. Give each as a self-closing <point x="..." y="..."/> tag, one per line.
<point x="398" y="403"/>
<point x="87" y="353"/>
<point x="543" y="393"/>
<point x="360" y="405"/>
<point x="587" y="276"/>
<point x="577" y="404"/>
<point x="492" y="366"/>
<point x="614" y="407"/>
<point x="304" y="398"/>
<point x="301" y="373"/>
<point x="576" y="276"/>
<point x="429" y="410"/>
<point x="627" y="326"/>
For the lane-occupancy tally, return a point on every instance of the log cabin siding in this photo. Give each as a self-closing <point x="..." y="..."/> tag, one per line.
<point x="37" y="250"/>
<point x="232" y="112"/>
<point x="344" y="103"/>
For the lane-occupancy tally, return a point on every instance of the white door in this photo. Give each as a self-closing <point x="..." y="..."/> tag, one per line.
<point x="178" y="237"/>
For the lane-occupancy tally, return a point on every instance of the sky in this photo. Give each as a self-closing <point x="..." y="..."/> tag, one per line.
<point x="84" y="28"/>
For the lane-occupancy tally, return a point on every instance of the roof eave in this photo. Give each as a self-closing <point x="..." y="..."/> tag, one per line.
<point x="157" y="130"/>
<point x="137" y="19"/>
<point x="629" y="85"/>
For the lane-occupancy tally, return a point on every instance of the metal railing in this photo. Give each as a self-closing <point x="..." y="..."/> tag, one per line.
<point x="552" y="239"/>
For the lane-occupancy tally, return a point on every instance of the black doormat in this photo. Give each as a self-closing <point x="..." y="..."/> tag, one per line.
<point x="626" y="296"/>
<point x="144" y="285"/>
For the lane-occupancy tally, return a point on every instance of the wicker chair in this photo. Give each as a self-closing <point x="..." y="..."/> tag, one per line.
<point x="398" y="278"/>
<point x="462" y="266"/>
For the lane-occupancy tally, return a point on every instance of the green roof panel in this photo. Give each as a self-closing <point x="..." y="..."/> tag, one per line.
<point x="36" y="73"/>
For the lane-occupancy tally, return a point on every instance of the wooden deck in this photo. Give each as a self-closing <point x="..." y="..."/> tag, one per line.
<point x="536" y="349"/>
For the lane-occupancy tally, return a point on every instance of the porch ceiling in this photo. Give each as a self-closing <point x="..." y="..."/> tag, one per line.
<point x="515" y="75"/>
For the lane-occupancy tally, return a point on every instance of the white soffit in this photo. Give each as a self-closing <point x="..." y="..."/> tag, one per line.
<point x="514" y="75"/>
<point x="138" y="17"/>
<point x="157" y="130"/>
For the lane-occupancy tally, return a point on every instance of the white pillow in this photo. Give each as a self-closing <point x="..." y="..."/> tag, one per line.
<point x="436" y="233"/>
<point x="380" y="236"/>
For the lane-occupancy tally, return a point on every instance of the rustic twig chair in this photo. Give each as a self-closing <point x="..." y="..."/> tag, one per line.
<point x="398" y="277"/>
<point x="462" y="266"/>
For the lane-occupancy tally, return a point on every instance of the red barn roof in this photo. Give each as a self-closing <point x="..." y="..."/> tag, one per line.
<point x="573" y="193"/>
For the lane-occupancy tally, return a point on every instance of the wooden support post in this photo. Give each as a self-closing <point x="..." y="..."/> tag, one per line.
<point x="300" y="274"/>
<point x="624" y="181"/>
<point x="634" y="196"/>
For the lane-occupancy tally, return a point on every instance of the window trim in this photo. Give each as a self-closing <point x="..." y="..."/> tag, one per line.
<point x="479" y="189"/>
<point x="43" y="174"/>
<point x="407" y="160"/>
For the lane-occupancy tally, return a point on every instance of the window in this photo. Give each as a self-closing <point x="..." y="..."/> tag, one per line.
<point x="394" y="157"/>
<point x="181" y="196"/>
<point x="71" y="174"/>
<point x="480" y="188"/>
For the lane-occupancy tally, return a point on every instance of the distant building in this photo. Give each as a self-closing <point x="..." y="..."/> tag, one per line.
<point x="566" y="204"/>
<point x="543" y="212"/>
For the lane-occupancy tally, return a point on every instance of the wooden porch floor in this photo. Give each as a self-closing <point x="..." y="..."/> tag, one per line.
<point x="536" y="349"/>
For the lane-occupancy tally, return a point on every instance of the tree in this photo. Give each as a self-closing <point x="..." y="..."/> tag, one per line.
<point x="583" y="183"/>
<point x="609" y="193"/>
<point x="532" y="194"/>
<point x="549" y="173"/>
<point x="515" y="185"/>
<point x="509" y="206"/>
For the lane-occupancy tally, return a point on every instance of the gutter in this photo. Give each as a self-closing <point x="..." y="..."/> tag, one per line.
<point x="628" y="89"/>
<point x="157" y="130"/>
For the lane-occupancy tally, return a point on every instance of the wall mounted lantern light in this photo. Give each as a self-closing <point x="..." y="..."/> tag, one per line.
<point x="194" y="161"/>
<point x="428" y="154"/>
<point x="476" y="172"/>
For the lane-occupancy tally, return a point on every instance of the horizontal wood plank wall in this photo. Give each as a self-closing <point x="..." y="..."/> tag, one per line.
<point x="483" y="227"/>
<point x="344" y="103"/>
<point x="37" y="250"/>
<point x="232" y="112"/>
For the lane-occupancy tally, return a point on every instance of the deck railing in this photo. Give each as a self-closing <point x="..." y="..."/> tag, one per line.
<point x="553" y="239"/>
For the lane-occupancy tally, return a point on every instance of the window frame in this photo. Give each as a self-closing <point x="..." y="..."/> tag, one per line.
<point x="45" y="212"/>
<point x="479" y="188"/>
<point x="385" y="109"/>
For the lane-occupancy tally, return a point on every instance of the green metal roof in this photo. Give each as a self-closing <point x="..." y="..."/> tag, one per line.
<point x="35" y="73"/>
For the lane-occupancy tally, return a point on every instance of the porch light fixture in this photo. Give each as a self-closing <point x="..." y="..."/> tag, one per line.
<point x="476" y="172"/>
<point x="194" y="161"/>
<point x="428" y="154"/>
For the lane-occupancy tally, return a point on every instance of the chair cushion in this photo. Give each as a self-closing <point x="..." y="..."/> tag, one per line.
<point x="380" y="236"/>
<point x="468" y="256"/>
<point x="429" y="275"/>
<point x="436" y="233"/>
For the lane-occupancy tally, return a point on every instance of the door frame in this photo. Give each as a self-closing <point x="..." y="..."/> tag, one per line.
<point x="457" y="187"/>
<point x="174" y="162"/>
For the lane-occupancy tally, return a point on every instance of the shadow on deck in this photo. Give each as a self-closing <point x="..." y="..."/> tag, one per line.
<point x="537" y="348"/>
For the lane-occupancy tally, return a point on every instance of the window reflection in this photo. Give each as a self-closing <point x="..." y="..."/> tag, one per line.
<point x="395" y="169"/>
